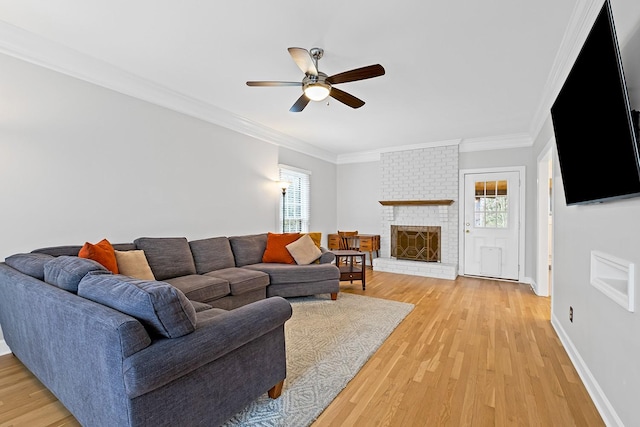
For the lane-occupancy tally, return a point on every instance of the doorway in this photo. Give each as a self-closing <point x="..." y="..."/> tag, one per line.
<point x="492" y="218"/>
<point x="544" y="269"/>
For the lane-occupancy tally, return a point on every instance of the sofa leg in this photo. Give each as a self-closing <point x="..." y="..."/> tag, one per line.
<point x="334" y="296"/>
<point x="275" y="391"/>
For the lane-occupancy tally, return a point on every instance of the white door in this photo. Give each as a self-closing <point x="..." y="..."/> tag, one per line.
<point x="491" y="224"/>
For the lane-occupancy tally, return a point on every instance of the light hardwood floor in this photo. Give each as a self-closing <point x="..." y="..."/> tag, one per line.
<point x="473" y="352"/>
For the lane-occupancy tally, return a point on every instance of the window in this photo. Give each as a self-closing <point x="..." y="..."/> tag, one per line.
<point x="491" y="205"/>
<point x="296" y="201"/>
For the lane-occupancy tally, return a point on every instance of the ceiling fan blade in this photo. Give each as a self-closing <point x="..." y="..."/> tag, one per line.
<point x="357" y="74"/>
<point x="300" y="104"/>
<point x="303" y="60"/>
<point x="274" y="83"/>
<point x="346" y="98"/>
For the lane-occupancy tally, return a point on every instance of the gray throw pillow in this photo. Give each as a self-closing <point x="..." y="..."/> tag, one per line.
<point x="168" y="257"/>
<point x="66" y="271"/>
<point x="161" y="308"/>
<point x="30" y="264"/>
<point x="248" y="249"/>
<point x="212" y="254"/>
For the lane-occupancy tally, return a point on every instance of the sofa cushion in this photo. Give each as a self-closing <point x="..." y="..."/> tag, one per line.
<point x="248" y="249"/>
<point x="102" y="252"/>
<point x="212" y="254"/>
<point x="304" y="250"/>
<point x="200" y="306"/>
<point x="284" y="273"/>
<point x="276" y="250"/>
<point x="201" y="288"/>
<point x="161" y="308"/>
<point x="168" y="256"/>
<point x="30" y="264"/>
<point x="72" y="250"/>
<point x="134" y="264"/>
<point x="241" y="280"/>
<point x="66" y="272"/>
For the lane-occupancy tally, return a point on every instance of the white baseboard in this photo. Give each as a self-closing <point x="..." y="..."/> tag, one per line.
<point x="606" y="410"/>
<point x="533" y="284"/>
<point x="4" y="348"/>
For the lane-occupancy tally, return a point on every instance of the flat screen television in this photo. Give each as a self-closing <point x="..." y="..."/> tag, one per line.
<point x="595" y="128"/>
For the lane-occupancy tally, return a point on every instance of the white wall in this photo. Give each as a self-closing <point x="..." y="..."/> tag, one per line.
<point x="323" y="190"/>
<point x="513" y="157"/>
<point x="358" y="197"/>
<point x="604" y="338"/>
<point x="80" y="163"/>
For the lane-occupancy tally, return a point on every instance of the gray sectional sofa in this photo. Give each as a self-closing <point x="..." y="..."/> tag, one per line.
<point x="192" y="347"/>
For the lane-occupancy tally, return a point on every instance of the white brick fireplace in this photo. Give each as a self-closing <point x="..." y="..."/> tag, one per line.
<point x="422" y="175"/>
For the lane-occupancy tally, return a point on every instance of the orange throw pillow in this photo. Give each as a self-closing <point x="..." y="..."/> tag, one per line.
<point x="101" y="252"/>
<point x="276" y="250"/>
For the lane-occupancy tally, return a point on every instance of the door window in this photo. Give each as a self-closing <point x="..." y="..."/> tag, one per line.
<point x="491" y="204"/>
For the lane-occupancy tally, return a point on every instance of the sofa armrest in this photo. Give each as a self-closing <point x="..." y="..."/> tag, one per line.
<point x="326" y="257"/>
<point x="170" y="358"/>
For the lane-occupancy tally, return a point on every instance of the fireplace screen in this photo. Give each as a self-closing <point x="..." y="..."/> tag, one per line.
<point x="417" y="243"/>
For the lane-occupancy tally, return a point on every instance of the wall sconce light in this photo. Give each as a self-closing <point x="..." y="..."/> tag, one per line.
<point x="283" y="186"/>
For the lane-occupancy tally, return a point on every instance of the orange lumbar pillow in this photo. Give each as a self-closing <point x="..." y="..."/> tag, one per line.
<point x="276" y="250"/>
<point x="101" y="252"/>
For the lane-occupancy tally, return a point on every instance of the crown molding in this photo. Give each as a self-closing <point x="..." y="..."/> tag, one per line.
<point x="374" y="155"/>
<point x="43" y="52"/>
<point x="29" y="47"/>
<point x="497" y="142"/>
<point x="359" y="157"/>
<point x="582" y="18"/>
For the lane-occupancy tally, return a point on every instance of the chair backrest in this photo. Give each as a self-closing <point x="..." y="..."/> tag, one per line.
<point x="348" y="240"/>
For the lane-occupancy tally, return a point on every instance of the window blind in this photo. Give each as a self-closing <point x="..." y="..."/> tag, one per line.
<point x="296" y="202"/>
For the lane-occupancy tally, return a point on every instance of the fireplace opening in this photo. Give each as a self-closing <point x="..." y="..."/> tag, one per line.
<point x="416" y="243"/>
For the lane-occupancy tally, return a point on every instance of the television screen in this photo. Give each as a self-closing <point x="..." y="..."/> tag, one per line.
<point x="593" y="124"/>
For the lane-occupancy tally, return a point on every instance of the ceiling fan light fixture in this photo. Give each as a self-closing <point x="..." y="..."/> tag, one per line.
<point x="317" y="91"/>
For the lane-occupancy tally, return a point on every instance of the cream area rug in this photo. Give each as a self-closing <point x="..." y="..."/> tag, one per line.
<point x="327" y="343"/>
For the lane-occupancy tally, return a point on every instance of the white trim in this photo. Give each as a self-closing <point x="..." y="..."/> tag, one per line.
<point x="496" y="142"/>
<point x="361" y="157"/>
<point x="27" y="46"/>
<point x="521" y="229"/>
<point x="604" y="407"/>
<point x="542" y="220"/>
<point x="294" y="169"/>
<point x="32" y="48"/>
<point x="582" y="18"/>
<point x="4" y="348"/>
<point x="614" y="277"/>
<point x="374" y="155"/>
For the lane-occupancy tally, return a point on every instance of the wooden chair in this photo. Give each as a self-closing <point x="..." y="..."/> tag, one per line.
<point x="348" y="241"/>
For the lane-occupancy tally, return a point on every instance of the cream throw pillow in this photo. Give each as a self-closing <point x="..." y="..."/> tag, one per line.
<point x="134" y="264"/>
<point x="304" y="250"/>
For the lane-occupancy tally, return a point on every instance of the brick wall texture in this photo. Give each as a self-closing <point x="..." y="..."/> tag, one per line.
<point x="421" y="174"/>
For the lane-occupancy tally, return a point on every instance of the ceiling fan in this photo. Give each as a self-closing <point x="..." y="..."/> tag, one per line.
<point x="316" y="85"/>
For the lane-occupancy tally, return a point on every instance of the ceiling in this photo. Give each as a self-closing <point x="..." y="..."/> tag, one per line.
<point x="455" y="70"/>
